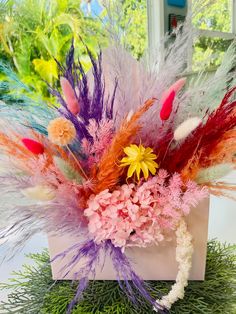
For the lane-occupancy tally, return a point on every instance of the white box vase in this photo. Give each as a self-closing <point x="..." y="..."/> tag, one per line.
<point x="151" y="263"/>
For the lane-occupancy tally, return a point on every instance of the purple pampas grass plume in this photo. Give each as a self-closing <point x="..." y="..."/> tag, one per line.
<point x="90" y="253"/>
<point x="92" y="103"/>
<point x="128" y="280"/>
<point x="110" y="109"/>
<point x="83" y="283"/>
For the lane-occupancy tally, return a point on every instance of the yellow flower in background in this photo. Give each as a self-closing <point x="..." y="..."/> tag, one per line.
<point x="139" y="159"/>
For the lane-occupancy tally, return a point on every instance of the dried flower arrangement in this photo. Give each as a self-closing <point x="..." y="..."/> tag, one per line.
<point x="123" y="164"/>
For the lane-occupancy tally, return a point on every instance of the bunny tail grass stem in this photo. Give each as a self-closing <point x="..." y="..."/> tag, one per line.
<point x="167" y="149"/>
<point x="77" y="162"/>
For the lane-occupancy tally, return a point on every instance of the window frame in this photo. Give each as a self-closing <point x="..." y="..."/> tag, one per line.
<point x="155" y="14"/>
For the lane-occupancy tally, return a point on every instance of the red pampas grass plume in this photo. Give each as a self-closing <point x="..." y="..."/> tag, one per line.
<point x="70" y="97"/>
<point x="33" y="146"/>
<point x="206" y="139"/>
<point x="167" y="105"/>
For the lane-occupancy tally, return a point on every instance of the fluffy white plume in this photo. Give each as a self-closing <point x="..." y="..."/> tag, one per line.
<point x="39" y="193"/>
<point x="4" y="166"/>
<point x="186" y="127"/>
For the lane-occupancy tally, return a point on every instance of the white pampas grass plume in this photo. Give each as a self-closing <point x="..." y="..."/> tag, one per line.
<point x="39" y="193"/>
<point x="8" y="166"/>
<point x="4" y="166"/>
<point x="186" y="127"/>
<point x="213" y="173"/>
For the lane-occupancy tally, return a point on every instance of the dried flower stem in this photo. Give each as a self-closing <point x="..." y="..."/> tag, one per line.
<point x="78" y="163"/>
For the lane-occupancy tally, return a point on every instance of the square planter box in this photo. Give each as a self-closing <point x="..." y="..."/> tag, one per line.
<point x="152" y="263"/>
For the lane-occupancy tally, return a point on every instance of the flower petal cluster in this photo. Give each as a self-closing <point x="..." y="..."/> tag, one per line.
<point x="139" y="159"/>
<point x="61" y="131"/>
<point x="141" y="215"/>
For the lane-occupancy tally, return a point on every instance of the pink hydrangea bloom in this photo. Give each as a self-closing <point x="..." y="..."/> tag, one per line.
<point x="144" y="214"/>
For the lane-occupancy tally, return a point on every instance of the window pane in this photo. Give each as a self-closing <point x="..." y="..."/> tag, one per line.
<point x="217" y="16"/>
<point x="208" y="52"/>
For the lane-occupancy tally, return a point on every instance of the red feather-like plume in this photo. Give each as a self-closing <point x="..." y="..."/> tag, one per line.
<point x="167" y="106"/>
<point x="33" y="146"/>
<point x="204" y="138"/>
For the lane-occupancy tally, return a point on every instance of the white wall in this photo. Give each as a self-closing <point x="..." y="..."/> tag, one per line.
<point x="222" y="221"/>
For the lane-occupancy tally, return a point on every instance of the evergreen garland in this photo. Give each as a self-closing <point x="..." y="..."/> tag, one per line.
<point x="33" y="290"/>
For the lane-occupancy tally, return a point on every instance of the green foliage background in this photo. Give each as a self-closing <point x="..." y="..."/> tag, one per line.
<point x="35" y="292"/>
<point x="33" y="33"/>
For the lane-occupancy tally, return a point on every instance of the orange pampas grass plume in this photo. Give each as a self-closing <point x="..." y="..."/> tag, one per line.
<point x="14" y="148"/>
<point x="225" y="150"/>
<point x="109" y="171"/>
<point x="222" y="189"/>
<point x="191" y="170"/>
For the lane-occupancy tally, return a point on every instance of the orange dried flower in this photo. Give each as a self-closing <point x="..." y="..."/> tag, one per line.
<point x="61" y="131"/>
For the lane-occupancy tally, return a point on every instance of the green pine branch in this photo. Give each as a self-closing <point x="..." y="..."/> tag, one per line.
<point x="33" y="291"/>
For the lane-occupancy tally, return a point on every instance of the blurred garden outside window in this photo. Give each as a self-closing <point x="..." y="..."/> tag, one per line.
<point x="131" y="19"/>
<point x="215" y="29"/>
<point x="33" y="33"/>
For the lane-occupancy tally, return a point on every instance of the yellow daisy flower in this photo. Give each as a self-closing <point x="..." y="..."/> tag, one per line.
<point x="139" y="159"/>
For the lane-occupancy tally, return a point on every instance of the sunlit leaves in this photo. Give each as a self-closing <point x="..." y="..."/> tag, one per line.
<point x="47" y="69"/>
<point x="33" y="33"/>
